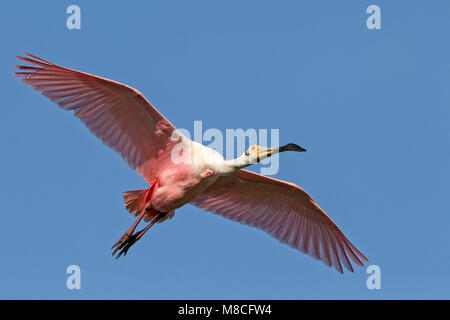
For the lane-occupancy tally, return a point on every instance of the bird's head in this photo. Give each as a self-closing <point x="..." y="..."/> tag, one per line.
<point x="257" y="153"/>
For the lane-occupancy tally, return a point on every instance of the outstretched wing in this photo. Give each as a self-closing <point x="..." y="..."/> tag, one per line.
<point x="117" y="114"/>
<point x="283" y="210"/>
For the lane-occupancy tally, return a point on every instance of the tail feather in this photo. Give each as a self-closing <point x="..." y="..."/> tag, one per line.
<point x="135" y="200"/>
<point x="138" y="200"/>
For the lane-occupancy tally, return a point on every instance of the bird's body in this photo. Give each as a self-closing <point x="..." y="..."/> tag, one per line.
<point x="182" y="181"/>
<point x="180" y="184"/>
<point x="180" y="171"/>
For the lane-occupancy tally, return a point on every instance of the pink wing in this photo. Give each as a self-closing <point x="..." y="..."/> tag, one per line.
<point x="283" y="210"/>
<point x="117" y="114"/>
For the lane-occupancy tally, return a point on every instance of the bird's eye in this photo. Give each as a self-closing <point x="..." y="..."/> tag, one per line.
<point x="247" y="153"/>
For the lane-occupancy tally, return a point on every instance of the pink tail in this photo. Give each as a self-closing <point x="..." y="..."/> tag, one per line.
<point x="138" y="200"/>
<point x="135" y="200"/>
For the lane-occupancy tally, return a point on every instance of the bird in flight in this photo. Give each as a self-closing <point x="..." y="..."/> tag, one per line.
<point x="180" y="171"/>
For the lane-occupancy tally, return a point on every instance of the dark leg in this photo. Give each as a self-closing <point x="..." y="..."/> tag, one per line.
<point x="129" y="232"/>
<point x="136" y="236"/>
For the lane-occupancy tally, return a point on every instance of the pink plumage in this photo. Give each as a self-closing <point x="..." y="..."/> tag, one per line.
<point x="126" y="122"/>
<point x="285" y="211"/>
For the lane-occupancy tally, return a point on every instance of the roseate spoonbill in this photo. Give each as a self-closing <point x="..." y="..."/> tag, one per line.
<point x="126" y="122"/>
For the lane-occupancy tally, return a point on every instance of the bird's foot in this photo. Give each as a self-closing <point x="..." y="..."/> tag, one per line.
<point x="122" y="241"/>
<point x="127" y="240"/>
<point x="128" y="244"/>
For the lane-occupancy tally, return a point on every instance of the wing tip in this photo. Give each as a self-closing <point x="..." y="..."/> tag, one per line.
<point x="364" y="257"/>
<point x="359" y="255"/>
<point x="35" y="57"/>
<point x="34" y="60"/>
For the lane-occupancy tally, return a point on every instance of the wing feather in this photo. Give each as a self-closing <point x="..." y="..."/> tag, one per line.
<point x="117" y="114"/>
<point x="283" y="210"/>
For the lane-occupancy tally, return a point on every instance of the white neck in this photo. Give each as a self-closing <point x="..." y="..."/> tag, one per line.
<point x="214" y="160"/>
<point x="231" y="166"/>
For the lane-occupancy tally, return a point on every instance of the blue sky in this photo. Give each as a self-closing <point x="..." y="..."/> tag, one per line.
<point x="371" y="107"/>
